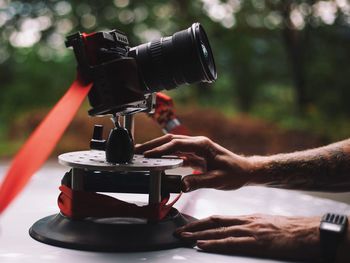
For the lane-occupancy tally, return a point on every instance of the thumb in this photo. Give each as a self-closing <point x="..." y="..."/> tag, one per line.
<point x="196" y="181"/>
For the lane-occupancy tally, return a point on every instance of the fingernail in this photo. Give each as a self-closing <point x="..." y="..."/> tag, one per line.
<point x="177" y="233"/>
<point x="179" y="230"/>
<point x="186" y="234"/>
<point x="185" y="186"/>
<point x="201" y="243"/>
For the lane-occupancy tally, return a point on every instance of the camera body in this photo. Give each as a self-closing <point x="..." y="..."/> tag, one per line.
<point x="125" y="77"/>
<point x="102" y="58"/>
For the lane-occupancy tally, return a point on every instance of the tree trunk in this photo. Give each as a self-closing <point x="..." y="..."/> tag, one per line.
<point x="294" y="40"/>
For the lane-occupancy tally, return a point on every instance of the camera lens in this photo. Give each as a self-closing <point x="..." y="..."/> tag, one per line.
<point x="183" y="58"/>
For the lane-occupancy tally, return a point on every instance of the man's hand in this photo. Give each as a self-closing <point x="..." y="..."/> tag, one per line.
<point x="221" y="168"/>
<point x="294" y="238"/>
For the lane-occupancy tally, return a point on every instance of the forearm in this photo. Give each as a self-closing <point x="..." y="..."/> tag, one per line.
<point x="322" y="169"/>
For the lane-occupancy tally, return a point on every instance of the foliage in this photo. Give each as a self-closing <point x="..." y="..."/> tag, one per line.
<point x="287" y="61"/>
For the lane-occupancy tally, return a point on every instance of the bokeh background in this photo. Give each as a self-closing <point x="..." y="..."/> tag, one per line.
<point x="283" y="68"/>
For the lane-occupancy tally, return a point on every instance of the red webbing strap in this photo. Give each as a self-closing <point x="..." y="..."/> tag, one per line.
<point x="164" y="114"/>
<point x="41" y="142"/>
<point x="80" y="204"/>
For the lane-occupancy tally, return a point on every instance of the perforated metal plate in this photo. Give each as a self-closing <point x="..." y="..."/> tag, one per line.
<point x="96" y="160"/>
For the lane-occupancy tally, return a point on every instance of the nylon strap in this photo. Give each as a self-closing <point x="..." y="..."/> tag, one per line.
<point x="41" y="142"/>
<point x="80" y="204"/>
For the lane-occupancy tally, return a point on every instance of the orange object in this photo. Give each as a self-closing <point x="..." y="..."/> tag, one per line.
<point x="41" y="142"/>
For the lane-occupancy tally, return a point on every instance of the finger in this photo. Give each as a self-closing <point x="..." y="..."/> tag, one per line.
<point x="211" y="222"/>
<point x="211" y="179"/>
<point x="229" y="245"/>
<point x="140" y="148"/>
<point x="216" y="233"/>
<point x="195" y="162"/>
<point x="181" y="145"/>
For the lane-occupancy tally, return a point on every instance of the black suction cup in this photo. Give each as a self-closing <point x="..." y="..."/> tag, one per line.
<point x="110" y="234"/>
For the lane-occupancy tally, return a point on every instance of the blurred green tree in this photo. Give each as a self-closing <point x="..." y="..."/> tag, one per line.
<point x="275" y="58"/>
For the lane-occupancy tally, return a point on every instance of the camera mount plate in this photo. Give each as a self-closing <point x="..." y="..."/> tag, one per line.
<point x="96" y="160"/>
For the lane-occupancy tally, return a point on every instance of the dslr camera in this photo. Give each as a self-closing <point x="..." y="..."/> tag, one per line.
<point x="124" y="78"/>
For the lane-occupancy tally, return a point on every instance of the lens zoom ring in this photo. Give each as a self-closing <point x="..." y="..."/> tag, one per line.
<point x="156" y="51"/>
<point x="157" y="58"/>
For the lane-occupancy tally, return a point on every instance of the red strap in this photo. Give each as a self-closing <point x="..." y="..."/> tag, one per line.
<point x="165" y="113"/>
<point x="80" y="204"/>
<point x="41" y="142"/>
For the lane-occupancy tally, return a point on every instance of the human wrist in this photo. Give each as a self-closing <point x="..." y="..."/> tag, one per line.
<point x="257" y="169"/>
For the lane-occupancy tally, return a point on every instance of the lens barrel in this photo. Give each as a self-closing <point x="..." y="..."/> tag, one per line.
<point x="183" y="58"/>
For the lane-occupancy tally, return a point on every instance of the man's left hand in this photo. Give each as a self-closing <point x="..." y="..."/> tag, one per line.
<point x="294" y="238"/>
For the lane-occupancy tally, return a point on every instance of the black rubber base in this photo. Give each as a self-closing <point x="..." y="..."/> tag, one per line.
<point x="110" y="234"/>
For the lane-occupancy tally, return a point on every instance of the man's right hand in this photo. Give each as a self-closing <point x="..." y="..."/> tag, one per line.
<point x="221" y="169"/>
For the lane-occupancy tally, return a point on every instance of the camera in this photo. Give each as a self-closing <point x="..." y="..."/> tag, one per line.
<point x="124" y="78"/>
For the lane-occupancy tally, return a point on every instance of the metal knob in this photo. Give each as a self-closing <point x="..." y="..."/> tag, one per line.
<point x="97" y="142"/>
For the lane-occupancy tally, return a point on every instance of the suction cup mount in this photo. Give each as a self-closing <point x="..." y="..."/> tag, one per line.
<point x="112" y="234"/>
<point x="119" y="233"/>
